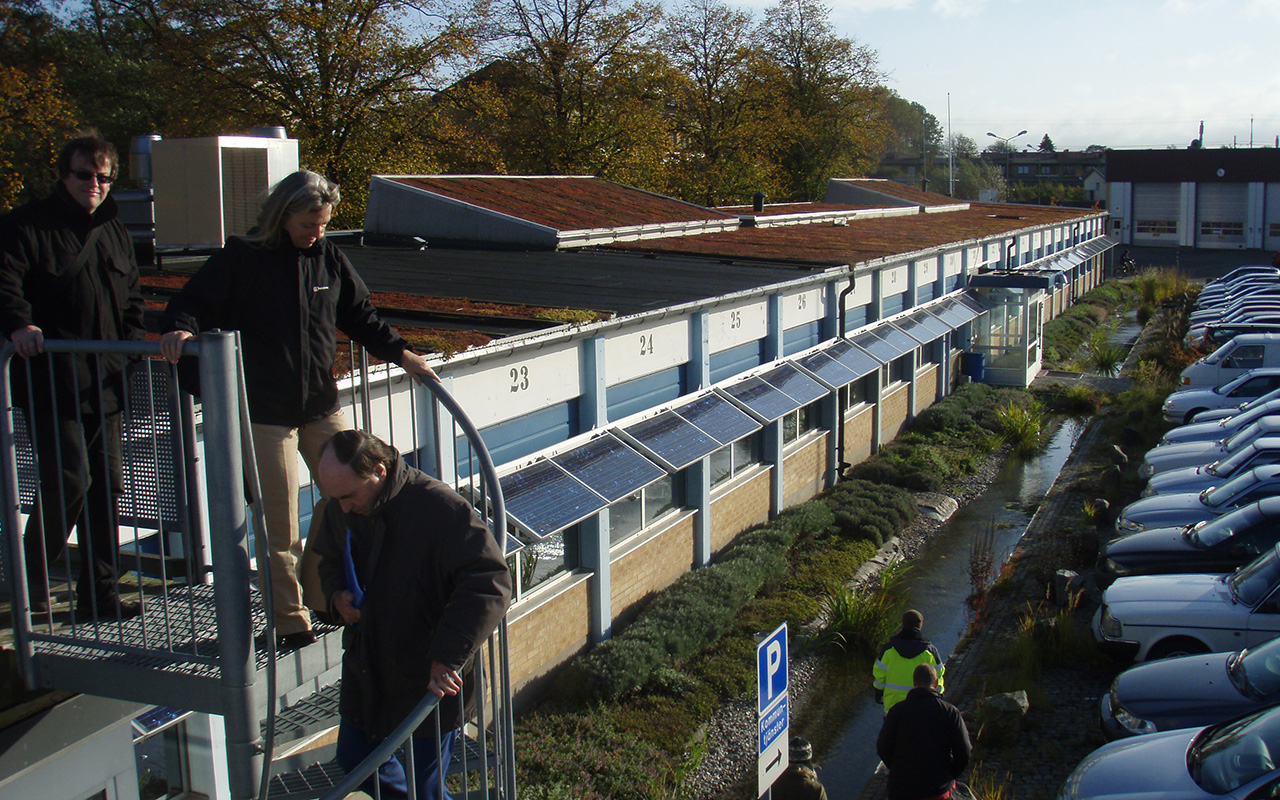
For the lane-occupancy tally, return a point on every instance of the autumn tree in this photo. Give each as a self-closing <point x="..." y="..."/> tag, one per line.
<point x="338" y="74"/>
<point x="827" y="97"/>
<point x="35" y="111"/>
<point x="913" y="131"/>
<point x="581" y="90"/>
<point x="717" y="110"/>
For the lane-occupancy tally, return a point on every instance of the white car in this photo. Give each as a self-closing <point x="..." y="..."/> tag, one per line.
<point x="1145" y="617"/>
<point x="1258" y="453"/>
<point x="1164" y="457"/>
<point x="1169" y="510"/>
<point x="1182" y="406"/>
<point x="1221" y="428"/>
<point x="1233" y="760"/>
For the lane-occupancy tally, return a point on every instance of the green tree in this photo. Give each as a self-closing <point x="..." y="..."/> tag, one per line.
<point x="975" y="174"/>
<point x="1046" y="145"/>
<point x="825" y="89"/>
<point x="963" y="146"/>
<point x="913" y="131"/>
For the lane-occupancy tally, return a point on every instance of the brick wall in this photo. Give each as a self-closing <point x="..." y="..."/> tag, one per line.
<point x="858" y="430"/>
<point x="739" y="509"/>
<point x="926" y="388"/>
<point x="804" y="471"/>
<point x="542" y="636"/>
<point x="893" y="413"/>
<point x="650" y="567"/>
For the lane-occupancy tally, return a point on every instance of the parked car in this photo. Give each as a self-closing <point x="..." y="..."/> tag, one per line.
<point x="1146" y="617"/>
<point x="1236" y="357"/>
<point x="1218" y="414"/>
<point x="1244" y="271"/>
<point x="1188" y="508"/>
<point x="1258" y="453"/>
<point x="1222" y="428"/>
<point x="1191" y="691"/>
<point x="1220" y="331"/>
<point x="1164" y="457"/>
<point x="1229" y="305"/>
<point x="1182" y="406"/>
<point x="1228" y="761"/>
<point x="1221" y="544"/>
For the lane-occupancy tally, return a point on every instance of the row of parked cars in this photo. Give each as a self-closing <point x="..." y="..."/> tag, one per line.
<point x="1191" y="579"/>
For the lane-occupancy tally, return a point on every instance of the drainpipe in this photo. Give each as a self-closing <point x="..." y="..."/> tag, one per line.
<point x="841" y="464"/>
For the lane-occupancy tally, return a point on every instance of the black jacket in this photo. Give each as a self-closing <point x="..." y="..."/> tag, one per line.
<point x="925" y="745"/>
<point x="288" y="305"/>
<point x="39" y="243"/>
<point x="436" y="585"/>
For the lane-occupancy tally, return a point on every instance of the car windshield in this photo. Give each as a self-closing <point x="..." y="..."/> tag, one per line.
<point x="1212" y="532"/>
<point x="1256" y="671"/>
<point x="1223" y="468"/>
<point x="1254" y="581"/>
<point x="1246" y="434"/>
<point x="1222" y="493"/>
<point x="1225" y="757"/>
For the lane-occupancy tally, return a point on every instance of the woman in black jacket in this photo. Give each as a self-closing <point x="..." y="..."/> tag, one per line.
<point x="288" y="290"/>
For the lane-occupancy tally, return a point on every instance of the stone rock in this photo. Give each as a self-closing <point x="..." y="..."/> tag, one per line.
<point x="1002" y="716"/>
<point x="1067" y="583"/>
<point x="1118" y="456"/>
<point x="1102" y="509"/>
<point x="936" y="506"/>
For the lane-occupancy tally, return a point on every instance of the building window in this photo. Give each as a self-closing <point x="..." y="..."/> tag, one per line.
<point x="1023" y="169"/>
<point x="1046" y="169"/>
<point x="732" y="460"/>
<point x="1222" y="229"/>
<point x="1274" y="229"/>
<point x="630" y="515"/>
<point x="858" y="392"/>
<point x="1155" y="226"/>
<point x="799" y="422"/>
<point x="546" y="558"/>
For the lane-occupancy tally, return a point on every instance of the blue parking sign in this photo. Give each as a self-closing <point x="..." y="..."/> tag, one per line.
<point x="771" y="667"/>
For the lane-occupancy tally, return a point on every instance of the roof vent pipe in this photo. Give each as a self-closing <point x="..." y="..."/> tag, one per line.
<point x="140" y="158"/>
<point x="757" y="202"/>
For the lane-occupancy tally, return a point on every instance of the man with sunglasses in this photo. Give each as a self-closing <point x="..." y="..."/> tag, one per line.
<point x="67" y="271"/>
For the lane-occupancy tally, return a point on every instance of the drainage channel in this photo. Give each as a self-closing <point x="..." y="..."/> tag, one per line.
<point x="939" y="587"/>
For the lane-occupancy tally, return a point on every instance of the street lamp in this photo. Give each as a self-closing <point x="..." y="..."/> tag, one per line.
<point x="1008" y="150"/>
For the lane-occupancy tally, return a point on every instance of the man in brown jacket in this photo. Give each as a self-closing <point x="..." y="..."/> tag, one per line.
<point x="420" y="583"/>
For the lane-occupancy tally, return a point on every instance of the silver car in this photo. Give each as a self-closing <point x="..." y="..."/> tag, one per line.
<point x="1182" y="406"/>
<point x="1164" y="457"/>
<point x="1258" y="453"/>
<point x="1169" y="510"/>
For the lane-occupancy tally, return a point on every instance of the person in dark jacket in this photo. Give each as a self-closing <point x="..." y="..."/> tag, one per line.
<point x="924" y="742"/>
<point x="420" y="583"/>
<point x="800" y="780"/>
<point x="288" y="290"/>
<point x="906" y="649"/>
<point x="67" y="271"/>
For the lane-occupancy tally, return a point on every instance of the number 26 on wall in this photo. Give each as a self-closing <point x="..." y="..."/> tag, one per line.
<point x="519" y="379"/>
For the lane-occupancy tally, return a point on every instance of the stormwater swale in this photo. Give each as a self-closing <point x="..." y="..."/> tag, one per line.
<point x="938" y="588"/>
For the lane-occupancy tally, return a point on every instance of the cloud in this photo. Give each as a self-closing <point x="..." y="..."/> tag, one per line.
<point x="958" y="8"/>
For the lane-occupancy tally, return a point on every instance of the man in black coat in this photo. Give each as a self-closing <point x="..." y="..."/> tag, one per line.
<point x="67" y="271"/>
<point x="924" y="742"/>
<point x="420" y="583"/>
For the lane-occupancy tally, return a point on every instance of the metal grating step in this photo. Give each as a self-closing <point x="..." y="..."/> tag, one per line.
<point x="308" y="716"/>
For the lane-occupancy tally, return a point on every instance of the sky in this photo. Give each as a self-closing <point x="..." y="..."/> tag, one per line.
<point x="1119" y="73"/>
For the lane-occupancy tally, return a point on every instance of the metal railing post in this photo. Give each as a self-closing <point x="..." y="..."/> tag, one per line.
<point x="229" y="544"/>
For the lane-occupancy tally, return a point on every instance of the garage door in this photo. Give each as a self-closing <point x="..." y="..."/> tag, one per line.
<point x="1155" y="213"/>
<point x="1221" y="212"/>
<point x="1272" y="229"/>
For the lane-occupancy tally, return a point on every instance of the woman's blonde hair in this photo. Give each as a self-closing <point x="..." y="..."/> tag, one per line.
<point x="300" y="193"/>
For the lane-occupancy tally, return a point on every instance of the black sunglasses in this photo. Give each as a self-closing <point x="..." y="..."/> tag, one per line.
<point x="86" y="175"/>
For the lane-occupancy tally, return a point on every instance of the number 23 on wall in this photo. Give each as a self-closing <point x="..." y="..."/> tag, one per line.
<point x="519" y="379"/>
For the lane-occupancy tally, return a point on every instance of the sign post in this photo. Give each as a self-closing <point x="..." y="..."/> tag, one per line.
<point x="771" y="710"/>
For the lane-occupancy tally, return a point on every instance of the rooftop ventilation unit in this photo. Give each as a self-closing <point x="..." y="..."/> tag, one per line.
<point x="209" y="189"/>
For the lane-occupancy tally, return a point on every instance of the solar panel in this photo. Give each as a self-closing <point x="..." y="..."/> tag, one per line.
<point x="798" y="386"/>
<point x="951" y="312"/>
<point x="925" y="326"/>
<point x="896" y="338"/>
<point x="761" y="398"/>
<point x="543" y="498"/>
<point x="832" y="372"/>
<point x="672" y="439"/>
<point x="718" y="418"/>
<point x="877" y="347"/>
<point x="609" y="468"/>
<point x="855" y="358"/>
